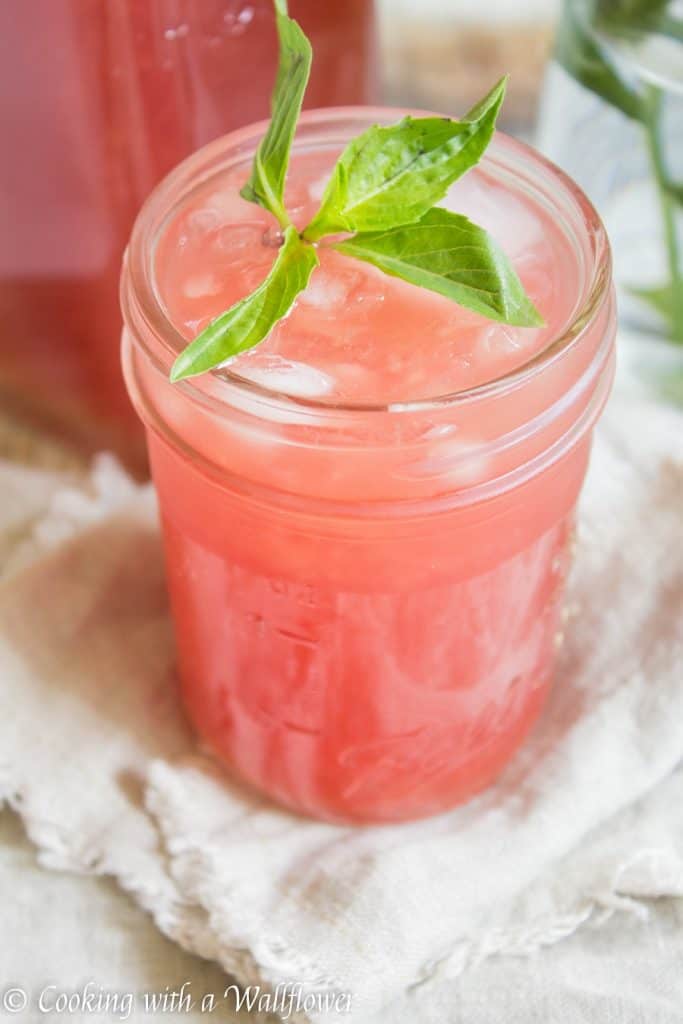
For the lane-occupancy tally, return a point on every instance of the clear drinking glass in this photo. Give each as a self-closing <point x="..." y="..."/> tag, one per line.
<point x="367" y="608"/>
<point x="612" y="117"/>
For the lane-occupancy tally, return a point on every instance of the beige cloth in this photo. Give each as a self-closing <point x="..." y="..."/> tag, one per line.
<point x="588" y="820"/>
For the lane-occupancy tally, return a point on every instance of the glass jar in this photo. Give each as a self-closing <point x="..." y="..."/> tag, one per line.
<point x="367" y="611"/>
<point x="98" y="100"/>
<point x="612" y="117"/>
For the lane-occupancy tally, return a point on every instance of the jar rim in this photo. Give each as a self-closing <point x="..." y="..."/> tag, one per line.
<point x="142" y="306"/>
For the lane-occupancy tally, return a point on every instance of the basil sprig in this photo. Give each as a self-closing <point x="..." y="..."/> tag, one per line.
<point x="382" y="191"/>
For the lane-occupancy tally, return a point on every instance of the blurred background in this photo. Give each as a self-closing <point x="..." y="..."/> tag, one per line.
<point x="443" y="55"/>
<point x="100" y="98"/>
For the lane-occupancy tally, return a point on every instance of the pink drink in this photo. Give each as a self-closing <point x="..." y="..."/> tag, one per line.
<point x="368" y="518"/>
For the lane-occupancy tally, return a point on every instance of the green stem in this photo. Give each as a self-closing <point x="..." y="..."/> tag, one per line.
<point x="274" y="204"/>
<point x="652" y="125"/>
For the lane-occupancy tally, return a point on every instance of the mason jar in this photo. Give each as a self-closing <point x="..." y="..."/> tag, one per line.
<point x="367" y="606"/>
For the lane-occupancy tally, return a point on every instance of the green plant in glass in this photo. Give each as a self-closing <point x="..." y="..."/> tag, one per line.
<point x="584" y="48"/>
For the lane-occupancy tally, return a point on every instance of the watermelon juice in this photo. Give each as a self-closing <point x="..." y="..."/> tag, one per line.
<point x="368" y="518"/>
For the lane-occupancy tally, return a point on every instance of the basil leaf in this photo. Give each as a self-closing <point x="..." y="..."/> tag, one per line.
<point x="446" y="253"/>
<point x="579" y="52"/>
<point x="391" y="176"/>
<point x="266" y="185"/>
<point x="250" y="321"/>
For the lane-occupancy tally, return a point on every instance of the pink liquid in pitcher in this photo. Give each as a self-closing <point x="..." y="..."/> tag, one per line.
<point x="367" y="598"/>
<point x="98" y="100"/>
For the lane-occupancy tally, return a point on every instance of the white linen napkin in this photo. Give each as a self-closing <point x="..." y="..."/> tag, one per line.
<point x="588" y="819"/>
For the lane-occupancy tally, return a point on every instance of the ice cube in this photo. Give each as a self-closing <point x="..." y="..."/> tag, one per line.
<point x="462" y="461"/>
<point x="515" y="225"/>
<point x="502" y="341"/>
<point x="234" y="239"/>
<point x="284" y="375"/>
<point x="229" y="205"/>
<point x="201" y="222"/>
<point x="222" y="208"/>
<point x="353" y="379"/>
<point x="325" y="291"/>
<point x="200" y="285"/>
<point x="501" y="338"/>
